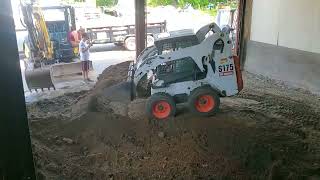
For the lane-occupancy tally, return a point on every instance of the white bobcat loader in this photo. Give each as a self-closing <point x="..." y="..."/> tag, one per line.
<point x="186" y="67"/>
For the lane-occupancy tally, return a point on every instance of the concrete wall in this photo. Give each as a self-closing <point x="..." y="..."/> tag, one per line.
<point x="289" y="23"/>
<point x="285" y="41"/>
<point x="264" y="23"/>
<point x="298" y="68"/>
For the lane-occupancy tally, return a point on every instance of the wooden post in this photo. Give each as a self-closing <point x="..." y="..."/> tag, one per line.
<point x="245" y="12"/>
<point x="140" y="24"/>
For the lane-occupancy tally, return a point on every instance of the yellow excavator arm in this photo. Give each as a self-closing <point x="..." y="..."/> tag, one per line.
<point x="39" y="41"/>
<point x="38" y="48"/>
<point x="45" y="43"/>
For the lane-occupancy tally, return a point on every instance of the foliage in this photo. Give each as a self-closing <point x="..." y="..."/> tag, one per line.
<point x="198" y="4"/>
<point x="203" y="5"/>
<point x="160" y="2"/>
<point x="106" y="2"/>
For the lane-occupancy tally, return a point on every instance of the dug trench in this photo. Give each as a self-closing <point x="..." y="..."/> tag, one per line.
<point x="268" y="131"/>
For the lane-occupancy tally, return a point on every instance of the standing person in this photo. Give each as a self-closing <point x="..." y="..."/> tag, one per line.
<point x="80" y="32"/>
<point x="84" y="47"/>
<point x="74" y="37"/>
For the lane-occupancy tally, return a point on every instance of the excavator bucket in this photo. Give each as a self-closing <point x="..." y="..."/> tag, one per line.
<point x="39" y="79"/>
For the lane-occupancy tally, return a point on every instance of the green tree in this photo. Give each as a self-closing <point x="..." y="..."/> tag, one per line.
<point x="106" y="2"/>
<point x="199" y="4"/>
<point x="161" y="2"/>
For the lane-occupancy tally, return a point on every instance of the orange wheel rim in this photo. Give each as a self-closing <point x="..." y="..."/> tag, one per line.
<point x="161" y="109"/>
<point x="205" y="103"/>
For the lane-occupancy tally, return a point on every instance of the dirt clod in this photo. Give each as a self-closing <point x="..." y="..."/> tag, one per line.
<point x="161" y="134"/>
<point x="67" y="140"/>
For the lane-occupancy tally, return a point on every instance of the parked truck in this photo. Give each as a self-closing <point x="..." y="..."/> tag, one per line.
<point x="125" y="35"/>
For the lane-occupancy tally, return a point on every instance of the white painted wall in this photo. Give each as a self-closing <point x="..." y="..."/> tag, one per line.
<point x="289" y="23"/>
<point x="264" y="27"/>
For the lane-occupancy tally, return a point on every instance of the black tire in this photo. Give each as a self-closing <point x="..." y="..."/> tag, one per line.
<point x="130" y="43"/>
<point x="118" y="43"/>
<point x="160" y="100"/>
<point x="210" y="101"/>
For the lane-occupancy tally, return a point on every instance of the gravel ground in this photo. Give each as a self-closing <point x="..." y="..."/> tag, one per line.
<point x="268" y="131"/>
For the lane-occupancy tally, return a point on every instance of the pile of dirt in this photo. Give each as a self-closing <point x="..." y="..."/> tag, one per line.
<point x="106" y="88"/>
<point x="269" y="131"/>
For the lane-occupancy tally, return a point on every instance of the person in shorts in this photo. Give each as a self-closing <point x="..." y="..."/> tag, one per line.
<point x="84" y="47"/>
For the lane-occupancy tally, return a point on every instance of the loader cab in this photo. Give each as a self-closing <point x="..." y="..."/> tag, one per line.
<point x="175" y="40"/>
<point x="179" y="70"/>
<point x="167" y="42"/>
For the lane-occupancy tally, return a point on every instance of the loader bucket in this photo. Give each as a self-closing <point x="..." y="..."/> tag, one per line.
<point x="120" y="92"/>
<point x="39" y="79"/>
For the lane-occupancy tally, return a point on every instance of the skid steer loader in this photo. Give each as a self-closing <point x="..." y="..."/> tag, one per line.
<point x="182" y="66"/>
<point x="47" y="50"/>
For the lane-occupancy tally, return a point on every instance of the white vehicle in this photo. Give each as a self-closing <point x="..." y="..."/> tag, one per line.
<point x="187" y="67"/>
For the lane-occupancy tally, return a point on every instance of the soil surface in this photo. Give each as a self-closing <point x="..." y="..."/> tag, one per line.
<point x="268" y="131"/>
